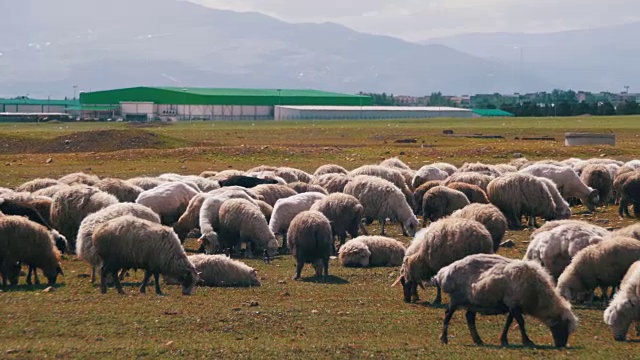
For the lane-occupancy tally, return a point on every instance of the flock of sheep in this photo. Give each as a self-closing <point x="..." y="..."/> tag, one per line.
<point x="118" y="225"/>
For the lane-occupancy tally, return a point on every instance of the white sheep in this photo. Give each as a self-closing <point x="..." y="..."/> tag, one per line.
<point x="625" y="306"/>
<point x="365" y="251"/>
<point x="220" y="271"/>
<point x="473" y="178"/>
<point x="489" y="216"/>
<point x="344" y="213"/>
<point x="395" y="163"/>
<point x="241" y="221"/>
<point x="428" y="173"/>
<point x="332" y="182"/>
<point x="390" y="174"/>
<point x="146" y="183"/>
<point x="121" y="189"/>
<point x="446" y="167"/>
<point x="273" y="192"/>
<point x="330" y="169"/>
<point x="562" y="211"/>
<point x="286" y="209"/>
<point x="168" y="200"/>
<point x="37" y="184"/>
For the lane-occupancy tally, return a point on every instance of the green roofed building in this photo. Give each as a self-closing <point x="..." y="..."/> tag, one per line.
<point x="40" y="106"/>
<point x="491" y="113"/>
<point x="173" y="103"/>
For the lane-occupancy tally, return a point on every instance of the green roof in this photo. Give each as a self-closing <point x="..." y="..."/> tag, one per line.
<point x="221" y="96"/>
<point x="492" y="113"/>
<point x="38" y="102"/>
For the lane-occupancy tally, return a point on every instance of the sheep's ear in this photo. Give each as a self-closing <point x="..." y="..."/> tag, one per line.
<point x="399" y="279"/>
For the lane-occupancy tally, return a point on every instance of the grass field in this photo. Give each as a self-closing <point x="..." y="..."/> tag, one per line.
<point x="356" y="315"/>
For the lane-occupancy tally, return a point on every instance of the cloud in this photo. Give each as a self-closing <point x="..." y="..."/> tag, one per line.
<point x="421" y="19"/>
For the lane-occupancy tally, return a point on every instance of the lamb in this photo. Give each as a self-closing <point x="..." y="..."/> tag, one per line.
<point x="79" y="178"/>
<point x="187" y="180"/>
<point x="86" y="250"/>
<point x="426" y="174"/>
<point x="129" y="242"/>
<point x="122" y="190"/>
<point x="50" y="191"/>
<point x="242" y="221"/>
<point x="562" y="210"/>
<point x="208" y="217"/>
<point x="492" y="284"/>
<point x="301" y="187"/>
<point x="518" y="194"/>
<point x="381" y="200"/>
<point x="245" y="181"/>
<point x="473" y="178"/>
<point x="273" y="193"/>
<point x="630" y="195"/>
<point x="392" y="175"/>
<point x="37" y="184"/>
<point x="146" y="183"/>
<point x="553" y="249"/>
<point x="168" y="200"/>
<point x="309" y="238"/>
<point x="446" y="167"/>
<point x="472" y="192"/>
<point x="286" y="209"/>
<point x="599" y="178"/>
<point x="220" y="271"/>
<point x="624" y="308"/>
<point x="443" y="242"/>
<point x="24" y="241"/>
<point x="567" y="181"/>
<point x="489" y="216"/>
<point x="418" y="195"/>
<point x="600" y="265"/>
<point x="365" y="251"/>
<point x="333" y="183"/>
<point x="69" y="207"/>
<point x="344" y="213"/>
<point x="330" y="169"/>
<point x="442" y="201"/>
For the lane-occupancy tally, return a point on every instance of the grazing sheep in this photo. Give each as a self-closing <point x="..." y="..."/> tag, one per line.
<point x="489" y="216"/>
<point x="630" y="195"/>
<point x="220" y="271"/>
<point x="330" y="169"/>
<point x="377" y="251"/>
<point x="446" y="167"/>
<point x="598" y="177"/>
<point x="286" y="209"/>
<point x="567" y="181"/>
<point x="505" y="168"/>
<point x="268" y="175"/>
<point x="301" y="187"/>
<point x="187" y="180"/>
<point x="426" y="174"/>
<point x="344" y="213"/>
<point x="208" y="217"/>
<point x="70" y="206"/>
<point x="600" y="265"/>
<point x="418" y="195"/>
<point x="473" y="178"/>
<point x="24" y="241"/>
<point x="472" y="192"/>
<point x="241" y="221"/>
<point x="168" y="200"/>
<point x="50" y="191"/>
<point x="520" y="163"/>
<point x="381" y="200"/>
<point x="122" y="190"/>
<point x="263" y="168"/>
<point x="395" y="163"/>
<point x="146" y="183"/>
<point x="442" y="201"/>
<point x="290" y="175"/>
<point x="553" y="249"/>
<point x="480" y="168"/>
<point x="250" y="193"/>
<point x="129" y="242"/>
<point x="518" y="194"/>
<point x="189" y="220"/>
<point x="622" y="175"/>
<point x="37" y="184"/>
<point x="79" y="178"/>
<point x="274" y="192"/>
<point x="309" y="238"/>
<point x="333" y="182"/>
<point x="265" y="209"/>
<point x="204" y="185"/>
<point x="443" y="242"/>
<point x="492" y="284"/>
<point x="208" y="174"/>
<point x="85" y="248"/>
<point x="245" y="181"/>
<point x="625" y="306"/>
<point x="226" y="174"/>
<point x="392" y="175"/>
<point x="562" y="211"/>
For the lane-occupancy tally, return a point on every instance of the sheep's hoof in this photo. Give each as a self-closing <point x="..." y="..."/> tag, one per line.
<point x="444" y="340"/>
<point x="504" y="343"/>
<point x="143" y="290"/>
<point x="478" y="342"/>
<point x="103" y="291"/>
<point x="121" y="292"/>
<point x="528" y="343"/>
<point x="296" y="278"/>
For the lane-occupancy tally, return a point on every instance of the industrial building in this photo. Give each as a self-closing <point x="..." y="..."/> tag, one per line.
<point x="368" y="112"/>
<point x="172" y="104"/>
<point x="42" y="106"/>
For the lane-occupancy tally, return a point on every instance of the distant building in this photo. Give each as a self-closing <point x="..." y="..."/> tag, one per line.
<point x="32" y="106"/>
<point x="287" y="112"/>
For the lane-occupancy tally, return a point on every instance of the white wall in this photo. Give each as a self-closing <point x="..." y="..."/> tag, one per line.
<point x="283" y="113"/>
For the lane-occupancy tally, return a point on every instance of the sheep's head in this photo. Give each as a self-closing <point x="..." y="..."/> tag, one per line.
<point x="411" y="225"/>
<point x="210" y="242"/>
<point x="273" y="246"/>
<point x="592" y="200"/>
<point x="52" y="274"/>
<point x="562" y="326"/>
<point x="409" y="284"/>
<point x="60" y="241"/>
<point x="189" y="280"/>
<point x="254" y="277"/>
<point x="14" y="273"/>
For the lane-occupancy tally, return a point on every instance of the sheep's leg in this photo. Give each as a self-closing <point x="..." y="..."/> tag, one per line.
<point x="145" y="281"/>
<point x="116" y="281"/>
<point x="605" y="294"/>
<point x="404" y="231"/>
<point x="299" y="265"/>
<point x="471" y="323"/>
<point x="103" y="279"/>
<point x="93" y="274"/>
<point x="438" y="299"/>
<point x="4" y="273"/>
<point x="382" y="222"/>
<point x="623" y="209"/>
<point x="156" y="278"/>
<point x="325" y="265"/>
<point x="520" y="320"/>
<point x="638" y="328"/>
<point x="123" y="273"/>
<point x="35" y="275"/>
<point x="505" y="331"/>
<point x="29" y="276"/>
<point x="445" y="324"/>
<point x="363" y="229"/>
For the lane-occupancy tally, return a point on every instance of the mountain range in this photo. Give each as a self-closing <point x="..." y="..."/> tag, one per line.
<point x="47" y="47"/>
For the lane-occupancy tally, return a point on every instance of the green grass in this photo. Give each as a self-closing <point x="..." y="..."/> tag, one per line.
<point x="357" y="315"/>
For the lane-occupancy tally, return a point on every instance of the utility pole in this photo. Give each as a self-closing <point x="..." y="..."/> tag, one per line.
<point x="75" y="87"/>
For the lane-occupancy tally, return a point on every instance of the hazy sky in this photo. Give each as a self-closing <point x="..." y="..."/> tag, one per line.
<point x="421" y="19"/>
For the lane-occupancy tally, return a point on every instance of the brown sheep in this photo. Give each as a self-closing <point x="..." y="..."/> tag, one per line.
<point x="599" y="178"/>
<point x="630" y="195"/>
<point x="441" y="201"/>
<point x="418" y="194"/>
<point x="301" y="187"/>
<point x="472" y="192"/>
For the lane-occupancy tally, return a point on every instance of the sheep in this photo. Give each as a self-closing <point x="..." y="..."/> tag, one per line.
<point x="392" y="175"/>
<point x="553" y="249"/>
<point x="419" y="192"/>
<point x="301" y="187"/>
<point x="395" y="163"/>
<point x="86" y="250"/>
<point x="274" y="192"/>
<point x="489" y="216"/>
<point x="442" y="201"/>
<point x="381" y="200"/>
<point x="241" y="221"/>
<point x="245" y="181"/>
<point x="146" y="183"/>
<point x="250" y="193"/>
<point x="265" y="209"/>
<point x="220" y="271"/>
<point x="473" y="178"/>
<point x="170" y="178"/>
<point x="600" y="265"/>
<point x="630" y="195"/>
<point x="443" y="242"/>
<point x="262" y="168"/>
<point x="286" y="209"/>
<point x="309" y="238"/>
<point x="168" y="200"/>
<point x="492" y="284"/>
<point x="122" y="190"/>
<point x="79" y="178"/>
<point x="622" y="175"/>
<point x="344" y="213"/>
<point x="632" y="164"/>
<point x="333" y="182"/>
<point x="208" y="174"/>
<point x="267" y="175"/>
<point x="24" y="241"/>
<point x="50" y="191"/>
<point x="520" y="163"/>
<point x="505" y="168"/>
<point x="472" y="192"/>
<point x="480" y="168"/>
<point x="70" y="206"/>
<point x="292" y="175"/>
<point x="624" y="308"/>
<point x="428" y="173"/>
<point x="446" y="167"/>
<point x="378" y="251"/>
<point x="518" y="194"/>
<point x="599" y="178"/>
<point x="632" y="231"/>
<point x="189" y="220"/>
<point x="129" y="242"/>
<point x="37" y="184"/>
<point x="562" y="211"/>
<point x="567" y="181"/>
<point x="330" y="169"/>
<point x="226" y="174"/>
<point x="205" y="185"/>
